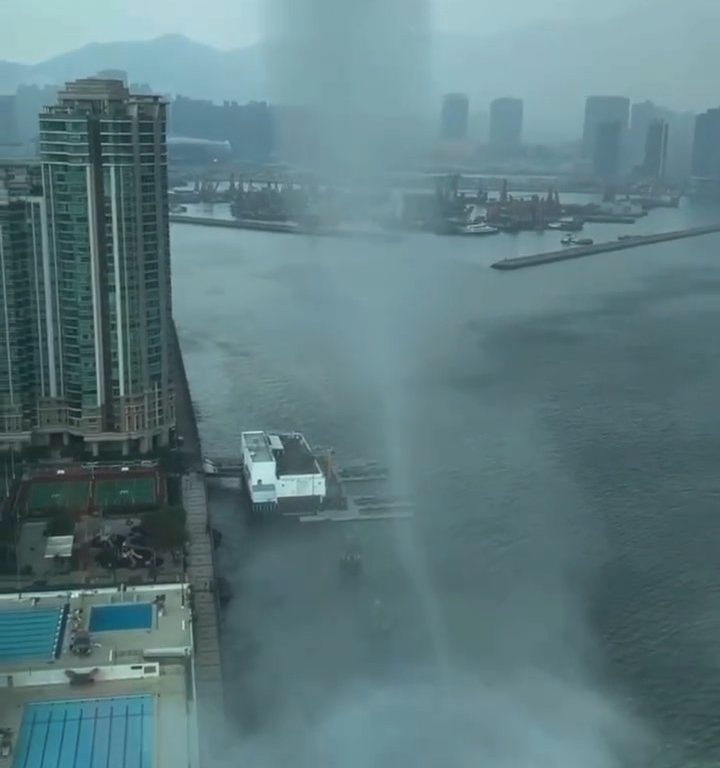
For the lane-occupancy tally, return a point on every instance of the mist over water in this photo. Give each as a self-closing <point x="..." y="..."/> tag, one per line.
<point x="362" y="69"/>
<point x="490" y="659"/>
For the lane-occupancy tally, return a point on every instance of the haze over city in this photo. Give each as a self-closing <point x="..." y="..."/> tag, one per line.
<point x="359" y="383"/>
<point x="550" y="54"/>
<point x="36" y="30"/>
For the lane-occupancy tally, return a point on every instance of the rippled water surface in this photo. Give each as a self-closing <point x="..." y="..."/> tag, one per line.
<point x="556" y="599"/>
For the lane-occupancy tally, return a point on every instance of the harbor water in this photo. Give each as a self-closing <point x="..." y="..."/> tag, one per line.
<point x="556" y="598"/>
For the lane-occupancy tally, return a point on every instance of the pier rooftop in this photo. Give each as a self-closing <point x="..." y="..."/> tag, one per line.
<point x="98" y="677"/>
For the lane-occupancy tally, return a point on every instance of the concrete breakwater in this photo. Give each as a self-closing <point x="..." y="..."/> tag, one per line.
<point x="580" y="251"/>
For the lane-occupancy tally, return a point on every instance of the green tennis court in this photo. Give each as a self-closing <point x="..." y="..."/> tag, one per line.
<point x="68" y="494"/>
<point x="125" y="492"/>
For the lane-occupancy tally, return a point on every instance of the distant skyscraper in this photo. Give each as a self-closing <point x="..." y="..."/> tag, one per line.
<point x="101" y="313"/>
<point x="8" y="121"/>
<point x="506" y="124"/>
<point x="603" y="109"/>
<point x="642" y="116"/>
<point x="656" y="146"/>
<point x="455" y="110"/>
<point x="607" y="151"/>
<point x="706" y="145"/>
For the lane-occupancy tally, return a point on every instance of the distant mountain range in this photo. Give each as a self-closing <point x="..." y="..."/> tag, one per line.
<point x="660" y="50"/>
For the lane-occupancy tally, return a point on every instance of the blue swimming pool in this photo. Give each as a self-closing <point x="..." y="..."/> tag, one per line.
<point x="111" y="618"/>
<point x="31" y="633"/>
<point x="87" y="733"/>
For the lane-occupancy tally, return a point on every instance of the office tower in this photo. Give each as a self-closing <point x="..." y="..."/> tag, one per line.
<point x="607" y="151"/>
<point x="23" y="320"/>
<point x="642" y="115"/>
<point x="455" y="112"/>
<point x="681" y="129"/>
<point x="656" y="146"/>
<point x="506" y="123"/>
<point x="603" y="109"/>
<point x="104" y="318"/>
<point x="8" y="121"/>
<point x="706" y="145"/>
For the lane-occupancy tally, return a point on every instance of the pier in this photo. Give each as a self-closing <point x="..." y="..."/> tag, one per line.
<point x="256" y="224"/>
<point x="287" y="227"/>
<point x="200" y="566"/>
<point x="578" y="252"/>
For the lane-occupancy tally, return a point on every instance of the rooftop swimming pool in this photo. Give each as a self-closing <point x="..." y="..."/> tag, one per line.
<point x="113" y="618"/>
<point x="87" y="733"/>
<point x="31" y="633"/>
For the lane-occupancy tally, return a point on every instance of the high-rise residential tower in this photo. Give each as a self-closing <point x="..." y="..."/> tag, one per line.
<point x="506" y="123"/>
<point x="23" y="320"/>
<point x="104" y="328"/>
<point x="454" y="118"/>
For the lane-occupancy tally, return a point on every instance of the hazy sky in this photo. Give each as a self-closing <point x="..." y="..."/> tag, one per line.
<point x="32" y="30"/>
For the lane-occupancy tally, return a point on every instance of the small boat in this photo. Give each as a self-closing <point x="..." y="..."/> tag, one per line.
<point x="626" y="237"/>
<point x="583" y="241"/>
<point x="568" y="240"/>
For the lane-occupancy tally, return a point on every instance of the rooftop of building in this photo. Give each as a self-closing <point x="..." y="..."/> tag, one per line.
<point x="257" y="445"/>
<point x="98" y="677"/>
<point x="290" y="452"/>
<point x="295" y="458"/>
<point x="97" y="95"/>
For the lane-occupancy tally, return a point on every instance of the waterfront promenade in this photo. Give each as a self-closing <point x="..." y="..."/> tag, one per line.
<point x="581" y="251"/>
<point x="201" y="567"/>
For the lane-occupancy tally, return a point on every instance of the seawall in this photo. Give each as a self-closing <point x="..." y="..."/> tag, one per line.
<point x="581" y="251"/>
